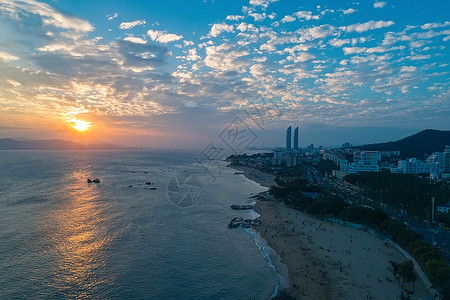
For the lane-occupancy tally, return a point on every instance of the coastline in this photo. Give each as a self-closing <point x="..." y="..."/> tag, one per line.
<point x="327" y="260"/>
<point x="260" y="177"/>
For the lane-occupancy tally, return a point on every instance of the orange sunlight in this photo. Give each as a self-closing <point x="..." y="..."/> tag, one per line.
<point x="80" y="125"/>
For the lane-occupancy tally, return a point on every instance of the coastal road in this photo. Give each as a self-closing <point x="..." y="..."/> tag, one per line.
<point x="435" y="236"/>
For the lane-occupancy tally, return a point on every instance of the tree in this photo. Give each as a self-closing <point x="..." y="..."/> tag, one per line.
<point x="404" y="272"/>
<point x="408" y="273"/>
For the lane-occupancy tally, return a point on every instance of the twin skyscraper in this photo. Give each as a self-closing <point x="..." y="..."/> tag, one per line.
<point x="289" y="138"/>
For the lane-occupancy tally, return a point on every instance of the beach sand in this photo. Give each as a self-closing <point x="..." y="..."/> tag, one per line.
<point x="328" y="260"/>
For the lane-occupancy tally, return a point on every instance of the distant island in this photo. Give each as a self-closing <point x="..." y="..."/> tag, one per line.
<point x="53" y="144"/>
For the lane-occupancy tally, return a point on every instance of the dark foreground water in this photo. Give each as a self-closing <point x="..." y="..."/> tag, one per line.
<point x="61" y="237"/>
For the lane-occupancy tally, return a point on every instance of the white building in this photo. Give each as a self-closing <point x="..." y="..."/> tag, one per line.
<point x="446" y="167"/>
<point x="444" y="209"/>
<point x="437" y="157"/>
<point x="358" y="167"/>
<point x="363" y="161"/>
<point x="367" y="157"/>
<point x="414" y="166"/>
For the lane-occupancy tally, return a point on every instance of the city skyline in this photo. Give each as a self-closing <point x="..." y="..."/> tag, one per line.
<point x="176" y="74"/>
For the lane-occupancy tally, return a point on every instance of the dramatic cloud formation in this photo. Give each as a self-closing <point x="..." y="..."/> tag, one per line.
<point x="187" y="77"/>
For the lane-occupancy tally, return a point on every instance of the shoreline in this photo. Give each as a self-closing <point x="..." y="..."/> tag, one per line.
<point x="273" y="260"/>
<point x="326" y="260"/>
<point x="260" y="177"/>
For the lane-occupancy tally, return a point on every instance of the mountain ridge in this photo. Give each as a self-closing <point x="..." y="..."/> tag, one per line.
<point x="418" y="145"/>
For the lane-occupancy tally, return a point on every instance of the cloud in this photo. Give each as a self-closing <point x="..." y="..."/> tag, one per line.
<point x="418" y="57"/>
<point x="350" y="11"/>
<point x="371" y="25"/>
<point x="129" y="25"/>
<point x="49" y="16"/>
<point x="163" y="36"/>
<point x="434" y="25"/>
<point x="416" y="44"/>
<point x="339" y="42"/>
<point x="234" y="18"/>
<point x="132" y="79"/>
<point x="301" y="57"/>
<point x="408" y="69"/>
<point x="7" y="57"/>
<point x="263" y="3"/>
<point x="318" y="32"/>
<point x="288" y="19"/>
<point x="258" y="17"/>
<point x="296" y="48"/>
<point x="306" y="15"/>
<point x="217" y="29"/>
<point x="192" y="56"/>
<point x="379" y="4"/>
<point x="112" y="17"/>
<point x="353" y="50"/>
<point x="226" y="58"/>
<point x="136" y="40"/>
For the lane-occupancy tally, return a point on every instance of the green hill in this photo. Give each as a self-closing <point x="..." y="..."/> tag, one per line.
<point x="418" y="145"/>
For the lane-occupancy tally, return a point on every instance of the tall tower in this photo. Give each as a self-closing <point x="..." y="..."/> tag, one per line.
<point x="296" y="139"/>
<point x="289" y="138"/>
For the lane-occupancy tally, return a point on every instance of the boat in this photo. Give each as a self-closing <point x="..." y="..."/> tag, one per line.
<point x="240" y="207"/>
<point x="247" y="223"/>
<point x="236" y="222"/>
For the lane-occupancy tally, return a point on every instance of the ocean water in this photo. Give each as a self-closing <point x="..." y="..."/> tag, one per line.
<point x="61" y="237"/>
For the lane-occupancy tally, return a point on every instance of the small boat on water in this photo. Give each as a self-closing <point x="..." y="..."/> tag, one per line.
<point x="153" y="188"/>
<point x="236" y="222"/>
<point x="241" y="207"/>
<point x="247" y="223"/>
<point x="96" y="180"/>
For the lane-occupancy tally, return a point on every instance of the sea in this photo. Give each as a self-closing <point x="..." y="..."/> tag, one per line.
<point x="154" y="227"/>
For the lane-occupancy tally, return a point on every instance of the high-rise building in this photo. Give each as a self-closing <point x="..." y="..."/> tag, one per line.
<point x="296" y="139"/>
<point x="289" y="139"/>
<point x="438" y="157"/>
<point x="447" y="159"/>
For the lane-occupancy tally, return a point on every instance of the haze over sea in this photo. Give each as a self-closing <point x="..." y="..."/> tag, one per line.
<point x="64" y="238"/>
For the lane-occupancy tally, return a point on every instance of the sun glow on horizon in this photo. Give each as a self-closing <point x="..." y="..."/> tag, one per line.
<point x="81" y="125"/>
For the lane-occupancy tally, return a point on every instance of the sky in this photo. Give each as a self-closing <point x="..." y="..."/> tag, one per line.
<point x="189" y="73"/>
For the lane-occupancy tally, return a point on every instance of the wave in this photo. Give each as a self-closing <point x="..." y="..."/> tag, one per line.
<point x="265" y="253"/>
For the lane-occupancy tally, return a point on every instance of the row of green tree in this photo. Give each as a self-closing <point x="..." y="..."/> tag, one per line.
<point x="312" y="199"/>
<point x="434" y="264"/>
<point x="411" y="192"/>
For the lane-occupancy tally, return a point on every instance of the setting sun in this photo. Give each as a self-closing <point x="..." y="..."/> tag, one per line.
<point x="81" y="125"/>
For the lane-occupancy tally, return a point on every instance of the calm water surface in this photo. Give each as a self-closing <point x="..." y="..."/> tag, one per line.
<point x="61" y="237"/>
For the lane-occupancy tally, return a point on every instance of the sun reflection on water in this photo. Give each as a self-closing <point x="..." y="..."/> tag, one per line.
<point x="78" y="236"/>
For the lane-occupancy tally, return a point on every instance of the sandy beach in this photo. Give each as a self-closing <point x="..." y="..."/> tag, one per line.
<point x="329" y="260"/>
